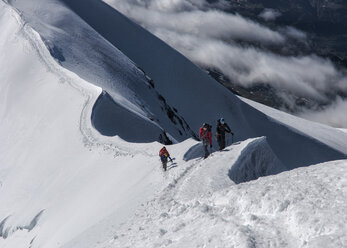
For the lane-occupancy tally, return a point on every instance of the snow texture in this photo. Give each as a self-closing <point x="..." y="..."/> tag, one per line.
<point x="64" y="69"/>
<point x="304" y="207"/>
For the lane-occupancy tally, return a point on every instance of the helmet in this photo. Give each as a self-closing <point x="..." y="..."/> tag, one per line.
<point x="222" y="120"/>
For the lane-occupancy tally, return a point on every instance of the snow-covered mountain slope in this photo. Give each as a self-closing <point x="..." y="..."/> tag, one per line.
<point x="331" y="136"/>
<point x="181" y="96"/>
<point x="304" y="207"/>
<point x="55" y="173"/>
<point x="63" y="184"/>
<point x="82" y="50"/>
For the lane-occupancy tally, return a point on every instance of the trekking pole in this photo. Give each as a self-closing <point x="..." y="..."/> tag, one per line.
<point x="232" y="138"/>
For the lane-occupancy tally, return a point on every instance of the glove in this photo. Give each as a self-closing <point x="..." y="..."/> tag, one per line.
<point x="210" y="146"/>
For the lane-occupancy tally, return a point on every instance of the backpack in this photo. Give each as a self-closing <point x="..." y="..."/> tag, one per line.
<point x="162" y="152"/>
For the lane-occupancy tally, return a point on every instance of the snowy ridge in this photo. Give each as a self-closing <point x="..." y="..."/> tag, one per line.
<point x="326" y="134"/>
<point x="300" y="208"/>
<point x="238" y="163"/>
<point x="35" y="177"/>
<point x="63" y="184"/>
<point x="133" y="93"/>
<point x="256" y="160"/>
<point x="88" y="91"/>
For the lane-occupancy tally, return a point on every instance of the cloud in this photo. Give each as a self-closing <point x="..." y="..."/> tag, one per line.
<point x="305" y="76"/>
<point x="332" y="115"/>
<point x="192" y="17"/>
<point x="168" y="6"/>
<point x="207" y="36"/>
<point x="269" y="14"/>
<point x="294" y="33"/>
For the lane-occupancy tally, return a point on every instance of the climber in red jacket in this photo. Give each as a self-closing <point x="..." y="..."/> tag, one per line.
<point x="164" y="155"/>
<point x="206" y="137"/>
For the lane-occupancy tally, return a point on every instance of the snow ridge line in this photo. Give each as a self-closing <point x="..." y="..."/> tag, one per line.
<point x="163" y="199"/>
<point x="176" y="181"/>
<point x="168" y="193"/>
<point x="88" y="90"/>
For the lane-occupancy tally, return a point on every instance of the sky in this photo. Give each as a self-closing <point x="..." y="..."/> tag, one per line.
<point x="207" y="35"/>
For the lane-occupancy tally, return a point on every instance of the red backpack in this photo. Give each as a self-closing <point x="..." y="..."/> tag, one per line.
<point x="162" y="151"/>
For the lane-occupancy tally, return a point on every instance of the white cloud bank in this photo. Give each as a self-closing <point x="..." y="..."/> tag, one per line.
<point x="294" y="33"/>
<point x="333" y="115"/>
<point x="195" y="17"/>
<point x="205" y="35"/>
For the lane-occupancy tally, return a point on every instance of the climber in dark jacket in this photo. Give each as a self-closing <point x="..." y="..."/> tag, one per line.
<point x="221" y="129"/>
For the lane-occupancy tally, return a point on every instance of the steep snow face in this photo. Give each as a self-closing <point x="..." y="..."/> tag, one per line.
<point x="75" y="45"/>
<point x="187" y="96"/>
<point x="333" y="137"/>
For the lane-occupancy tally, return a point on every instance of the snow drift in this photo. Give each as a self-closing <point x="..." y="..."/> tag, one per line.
<point x="256" y="160"/>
